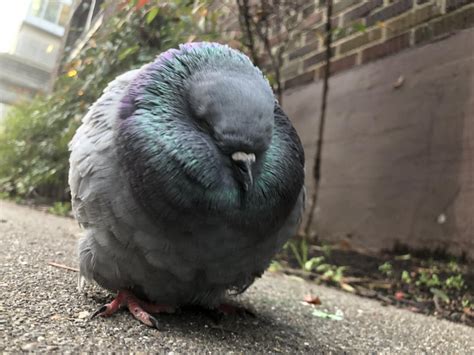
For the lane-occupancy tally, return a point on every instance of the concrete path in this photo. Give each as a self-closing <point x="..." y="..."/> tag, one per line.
<point x="41" y="309"/>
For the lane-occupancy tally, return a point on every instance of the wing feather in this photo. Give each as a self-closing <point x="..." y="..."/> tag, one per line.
<point x="94" y="165"/>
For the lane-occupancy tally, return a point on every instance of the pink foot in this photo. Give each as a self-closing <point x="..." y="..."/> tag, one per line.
<point x="139" y="309"/>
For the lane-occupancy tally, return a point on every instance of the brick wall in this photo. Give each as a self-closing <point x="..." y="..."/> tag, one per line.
<point x="365" y="31"/>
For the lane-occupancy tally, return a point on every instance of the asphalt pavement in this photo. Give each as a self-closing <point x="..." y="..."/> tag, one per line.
<point x="41" y="309"/>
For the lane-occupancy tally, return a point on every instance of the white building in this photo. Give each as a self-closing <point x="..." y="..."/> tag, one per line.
<point x="30" y="43"/>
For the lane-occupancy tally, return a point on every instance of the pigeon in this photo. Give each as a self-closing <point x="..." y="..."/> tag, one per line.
<point x="187" y="178"/>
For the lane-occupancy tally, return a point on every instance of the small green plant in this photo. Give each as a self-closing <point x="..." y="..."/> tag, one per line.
<point x="406" y="278"/>
<point x="453" y="266"/>
<point x="313" y="263"/>
<point x="454" y="282"/>
<point x="386" y="268"/>
<point x="426" y="278"/>
<point x="466" y="303"/>
<point x="326" y="249"/>
<point x="60" y="208"/>
<point x="300" y="251"/>
<point x="331" y="273"/>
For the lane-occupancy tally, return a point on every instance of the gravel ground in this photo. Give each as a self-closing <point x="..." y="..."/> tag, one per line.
<point x="41" y="309"/>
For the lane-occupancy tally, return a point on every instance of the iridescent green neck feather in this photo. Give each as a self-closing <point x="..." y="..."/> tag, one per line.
<point x="175" y="144"/>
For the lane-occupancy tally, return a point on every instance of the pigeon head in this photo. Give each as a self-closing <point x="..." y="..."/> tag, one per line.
<point x="201" y="135"/>
<point x="236" y="111"/>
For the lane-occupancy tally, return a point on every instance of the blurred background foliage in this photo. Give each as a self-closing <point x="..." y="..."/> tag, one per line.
<point x="34" y="136"/>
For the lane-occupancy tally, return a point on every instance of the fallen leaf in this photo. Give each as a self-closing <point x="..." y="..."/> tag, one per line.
<point x="347" y="287"/>
<point x="56" y="317"/>
<point x="275" y="266"/>
<point x="345" y="244"/>
<point x="403" y="257"/>
<point x="312" y="299"/>
<point x="296" y="278"/>
<point x="399" y="82"/>
<point x="326" y="315"/>
<point x="468" y="311"/>
<point x="399" y="295"/>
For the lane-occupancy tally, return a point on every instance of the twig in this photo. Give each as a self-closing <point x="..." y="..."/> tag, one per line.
<point x="300" y="273"/>
<point x="322" y="121"/>
<point x="385" y="299"/>
<point x="244" y="19"/>
<point x="61" y="266"/>
<point x="437" y="305"/>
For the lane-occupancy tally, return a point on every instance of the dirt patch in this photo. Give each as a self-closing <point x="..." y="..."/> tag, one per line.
<point x="428" y="284"/>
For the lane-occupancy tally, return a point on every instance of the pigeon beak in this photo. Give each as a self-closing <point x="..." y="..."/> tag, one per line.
<point x="243" y="163"/>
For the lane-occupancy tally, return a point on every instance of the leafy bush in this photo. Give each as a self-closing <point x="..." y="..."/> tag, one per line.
<point x="60" y="208"/>
<point x="33" y="150"/>
<point x="34" y="136"/>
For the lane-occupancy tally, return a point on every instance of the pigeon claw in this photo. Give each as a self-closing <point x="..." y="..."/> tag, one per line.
<point x="142" y="315"/>
<point x="154" y="322"/>
<point x="100" y="311"/>
<point x="139" y="309"/>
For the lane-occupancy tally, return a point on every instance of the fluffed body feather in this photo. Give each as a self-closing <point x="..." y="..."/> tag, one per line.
<point x="162" y="214"/>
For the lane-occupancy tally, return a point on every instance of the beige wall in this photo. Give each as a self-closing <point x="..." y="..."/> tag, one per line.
<point x="398" y="164"/>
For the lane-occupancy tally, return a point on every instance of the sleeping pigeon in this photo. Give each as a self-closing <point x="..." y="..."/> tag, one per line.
<point x="187" y="178"/>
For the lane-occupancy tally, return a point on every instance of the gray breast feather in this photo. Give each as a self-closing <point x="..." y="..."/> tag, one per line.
<point x="123" y="248"/>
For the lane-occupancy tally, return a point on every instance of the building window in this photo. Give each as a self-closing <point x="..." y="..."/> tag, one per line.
<point x="54" y="11"/>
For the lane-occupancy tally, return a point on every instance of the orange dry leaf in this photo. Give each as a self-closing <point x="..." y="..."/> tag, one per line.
<point x="315" y="300"/>
<point x="399" y="82"/>
<point x="469" y="312"/>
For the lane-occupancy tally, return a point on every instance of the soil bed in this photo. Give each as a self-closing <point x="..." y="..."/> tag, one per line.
<point x="427" y="284"/>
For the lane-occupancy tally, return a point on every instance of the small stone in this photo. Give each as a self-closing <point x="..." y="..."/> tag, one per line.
<point x="40" y="338"/>
<point x="441" y="218"/>
<point x="56" y="317"/>
<point x="83" y="314"/>
<point x="29" y="346"/>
